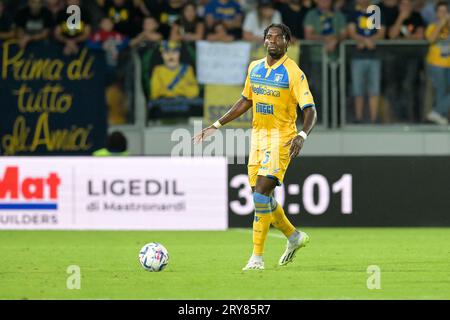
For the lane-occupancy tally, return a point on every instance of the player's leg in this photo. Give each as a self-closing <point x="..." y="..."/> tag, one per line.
<point x="357" y="88"/>
<point x="295" y="239"/>
<point x="263" y="217"/>
<point x="279" y="219"/>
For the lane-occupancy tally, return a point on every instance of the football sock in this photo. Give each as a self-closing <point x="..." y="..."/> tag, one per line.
<point x="294" y="237"/>
<point x="279" y="219"/>
<point x="261" y="223"/>
<point x="257" y="258"/>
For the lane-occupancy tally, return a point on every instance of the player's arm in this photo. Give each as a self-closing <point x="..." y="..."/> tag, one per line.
<point x="303" y="96"/>
<point x="309" y="121"/>
<point x="238" y="109"/>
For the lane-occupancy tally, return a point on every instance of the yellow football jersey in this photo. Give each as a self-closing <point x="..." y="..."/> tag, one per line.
<point x="275" y="92"/>
<point x="439" y="51"/>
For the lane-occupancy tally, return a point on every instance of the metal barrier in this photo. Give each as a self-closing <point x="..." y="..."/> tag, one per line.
<point x="405" y="90"/>
<point x="333" y="89"/>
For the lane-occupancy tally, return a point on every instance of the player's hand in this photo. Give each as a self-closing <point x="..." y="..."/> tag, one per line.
<point x="296" y="145"/>
<point x="205" y="133"/>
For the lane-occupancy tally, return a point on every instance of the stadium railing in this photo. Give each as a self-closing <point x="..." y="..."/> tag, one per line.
<point x="406" y="94"/>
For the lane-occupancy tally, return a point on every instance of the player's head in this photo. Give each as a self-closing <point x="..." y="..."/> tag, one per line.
<point x="277" y="38"/>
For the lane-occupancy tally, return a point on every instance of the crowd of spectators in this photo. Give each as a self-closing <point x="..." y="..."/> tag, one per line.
<point x="117" y="24"/>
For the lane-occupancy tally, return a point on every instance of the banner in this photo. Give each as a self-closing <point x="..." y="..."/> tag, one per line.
<point x="353" y="191"/>
<point x="51" y="103"/>
<point x="156" y="193"/>
<point x="222" y="63"/>
<point x="219" y="99"/>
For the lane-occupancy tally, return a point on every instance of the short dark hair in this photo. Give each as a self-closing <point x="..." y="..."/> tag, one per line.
<point x="117" y="142"/>
<point x="441" y="3"/>
<point x="284" y="30"/>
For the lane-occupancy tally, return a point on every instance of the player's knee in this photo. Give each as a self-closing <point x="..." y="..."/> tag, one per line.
<point x="261" y="198"/>
<point x="263" y="190"/>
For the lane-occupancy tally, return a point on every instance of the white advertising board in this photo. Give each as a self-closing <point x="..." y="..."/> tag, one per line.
<point x="135" y="193"/>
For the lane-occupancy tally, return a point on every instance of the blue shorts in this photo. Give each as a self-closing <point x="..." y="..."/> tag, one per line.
<point x="366" y="77"/>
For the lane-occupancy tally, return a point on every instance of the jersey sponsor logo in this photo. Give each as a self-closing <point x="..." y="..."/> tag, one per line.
<point x="264" y="91"/>
<point x="34" y="193"/>
<point x="264" y="108"/>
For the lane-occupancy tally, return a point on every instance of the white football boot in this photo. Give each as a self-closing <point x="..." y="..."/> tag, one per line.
<point x="253" y="264"/>
<point x="292" y="248"/>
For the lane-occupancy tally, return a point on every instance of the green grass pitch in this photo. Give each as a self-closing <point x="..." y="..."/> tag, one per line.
<point x="414" y="264"/>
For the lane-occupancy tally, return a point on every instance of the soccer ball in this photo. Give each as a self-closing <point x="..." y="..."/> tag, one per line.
<point x="154" y="257"/>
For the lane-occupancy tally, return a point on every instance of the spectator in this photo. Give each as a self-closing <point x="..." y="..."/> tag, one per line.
<point x="438" y="63"/>
<point x="113" y="44"/>
<point x="257" y="20"/>
<point x="389" y="11"/>
<point x="125" y="14"/>
<point x="408" y="23"/>
<point x="116" y="145"/>
<point x="33" y="23"/>
<point x="293" y="14"/>
<point x="365" y="66"/>
<point x="72" y="37"/>
<point x="189" y="27"/>
<point x="226" y="11"/>
<point x="249" y="5"/>
<point x="327" y="25"/>
<point x="109" y="40"/>
<point x="219" y="33"/>
<point x="402" y="69"/>
<point x="173" y="79"/>
<point x="6" y="24"/>
<point x="427" y="10"/>
<point x="150" y="32"/>
<point x="54" y="6"/>
<point x="168" y="12"/>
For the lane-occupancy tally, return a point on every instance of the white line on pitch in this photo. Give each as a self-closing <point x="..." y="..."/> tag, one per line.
<point x="250" y="231"/>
